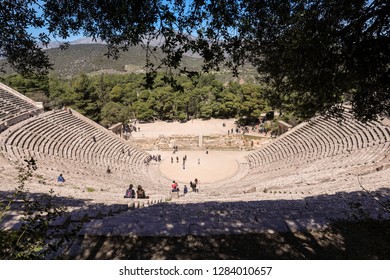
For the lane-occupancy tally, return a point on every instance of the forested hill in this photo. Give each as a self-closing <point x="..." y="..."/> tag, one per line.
<point x="91" y="59"/>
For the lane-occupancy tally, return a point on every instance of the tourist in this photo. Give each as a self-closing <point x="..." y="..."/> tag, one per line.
<point x="60" y="179"/>
<point x="175" y="187"/>
<point x="130" y="193"/>
<point x="196" y="182"/>
<point x="185" y="189"/>
<point x="193" y="186"/>
<point x="141" y="193"/>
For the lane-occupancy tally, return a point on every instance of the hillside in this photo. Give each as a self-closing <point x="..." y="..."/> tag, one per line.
<point x="91" y="58"/>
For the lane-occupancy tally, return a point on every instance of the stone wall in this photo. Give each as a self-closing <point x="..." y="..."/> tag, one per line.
<point x="191" y="142"/>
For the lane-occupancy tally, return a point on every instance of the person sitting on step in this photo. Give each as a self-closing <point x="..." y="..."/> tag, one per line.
<point x="130" y="193"/>
<point x="60" y="179"/>
<point x="175" y="187"/>
<point x="141" y="193"/>
<point x="193" y="186"/>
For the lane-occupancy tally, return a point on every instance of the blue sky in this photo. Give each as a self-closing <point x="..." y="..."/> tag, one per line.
<point x="37" y="31"/>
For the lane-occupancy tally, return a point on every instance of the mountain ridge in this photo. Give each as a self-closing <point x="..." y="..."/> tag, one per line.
<point x="87" y="56"/>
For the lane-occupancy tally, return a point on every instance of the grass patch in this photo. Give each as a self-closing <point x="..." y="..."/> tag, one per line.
<point x="38" y="176"/>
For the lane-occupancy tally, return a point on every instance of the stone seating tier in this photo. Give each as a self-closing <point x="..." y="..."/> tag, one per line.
<point x="14" y="107"/>
<point x="318" y="139"/>
<point x="63" y="134"/>
<point x="320" y="158"/>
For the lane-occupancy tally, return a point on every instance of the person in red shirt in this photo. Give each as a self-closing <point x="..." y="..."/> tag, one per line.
<point x="174" y="186"/>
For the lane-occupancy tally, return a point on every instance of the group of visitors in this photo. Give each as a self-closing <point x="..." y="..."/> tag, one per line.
<point x="130" y="193"/>
<point x="260" y="128"/>
<point x="193" y="185"/>
<point x="128" y="129"/>
<point x="156" y="157"/>
<point x="177" y="160"/>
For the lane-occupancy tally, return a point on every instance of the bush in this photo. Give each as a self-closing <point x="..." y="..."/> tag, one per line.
<point x="32" y="240"/>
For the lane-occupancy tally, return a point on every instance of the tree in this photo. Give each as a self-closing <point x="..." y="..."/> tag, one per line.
<point x="143" y="110"/>
<point x="253" y="103"/>
<point x="230" y="105"/>
<point x="320" y="53"/>
<point x="316" y="54"/>
<point x="113" y="113"/>
<point x="164" y="104"/>
<point x="85" y="97"/>
<point x="206" y="110"/>
<point x="17" y="44"/>
<point x="117" y="93"/>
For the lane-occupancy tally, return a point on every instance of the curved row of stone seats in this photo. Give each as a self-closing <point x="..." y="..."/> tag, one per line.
<point x="63" y="134"/>
<point x="286" y="186"/>
<point x="14" y="107"/>
<point x="298" y="186"/>
<point x="79" y="215"/>
<point x="214" y="218"/>
<point x="322" y="139"/>
<point x="84" y="180"/>
<point x="317" y="157"/>
<point x="88" y="182"/>
<point x="95" y="211"/>
<point x="372" y="182"/>
<point x="85" y="186"/>
<point x="312" y="174"/>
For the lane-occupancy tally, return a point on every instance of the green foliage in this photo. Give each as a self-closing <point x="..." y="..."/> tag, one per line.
<point x="17" y="43"/>
<point x="35" y="87"/>
<point x="113" y="113"/>
<point x="32" y="240"/>
<point x="314" y="54"/>
<point x="206" y="111"/>
<point x="143" y="111"/>
<point x="110" y="99"/>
